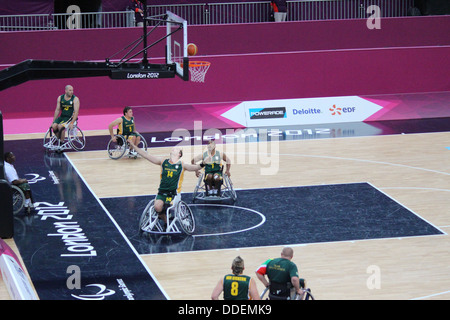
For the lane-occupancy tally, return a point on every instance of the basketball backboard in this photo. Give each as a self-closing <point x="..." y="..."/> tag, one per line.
<point x="176" y="44"/>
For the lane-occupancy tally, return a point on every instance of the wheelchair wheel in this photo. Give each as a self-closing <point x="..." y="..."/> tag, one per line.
<point x="229" y="191"/>
<point x="197" y="190"/>
<point x="117" y="149"/>
<point x="49" y="139"/>
<point x="18" y="199"/>
<point x="76" y="138"/>
<point x="185" y="217"/>
<point x="145" y="219"/>
<point x="142" y="143"/>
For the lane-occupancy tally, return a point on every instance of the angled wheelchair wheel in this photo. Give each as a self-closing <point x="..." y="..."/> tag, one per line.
<point x="185" y="217"/>
<point x="49" y="139"/>
<point x="142" y="143"/>
<point x="229" y="190"/>
<point x="18" y="199"/>
<point x="198" y="188"/>
<point x="76" y="138"/>
<point x="146" y="216"/>
<point x="117" y="149"/>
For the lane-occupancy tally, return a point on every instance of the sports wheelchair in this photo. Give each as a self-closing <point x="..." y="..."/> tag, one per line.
<point x="117" y="150"/>
<point x="74" y="139"/>
<point x="178" y="214"/>
<point x="225" y="192"/>
<point x="18" y="199"/>
<point x="292" y="294"/>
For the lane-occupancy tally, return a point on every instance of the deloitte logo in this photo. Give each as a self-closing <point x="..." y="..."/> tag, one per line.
<point x="307" y="111"/>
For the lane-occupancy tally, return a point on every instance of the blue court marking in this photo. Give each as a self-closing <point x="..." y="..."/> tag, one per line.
<point x="293" y="215"/>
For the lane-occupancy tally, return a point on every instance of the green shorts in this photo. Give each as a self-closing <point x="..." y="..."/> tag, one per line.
<point x="62" y="120"/>
<point x="166" y="197"/>
<point x="24" y="186"/>
<point x="219" y="173"/>
<point x="128" y="135"/>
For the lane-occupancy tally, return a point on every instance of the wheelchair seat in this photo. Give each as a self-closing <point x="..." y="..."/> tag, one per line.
<point x="178" y="216"/>
<point x="226" y="191"/>
<point x="118" y="149"/>
<point x="74" y="139"/>
<point x="280" y="291"/>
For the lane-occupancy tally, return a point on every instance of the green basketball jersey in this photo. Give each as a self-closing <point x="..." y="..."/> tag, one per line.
<point x="212" y="163"/>
<point x="236" y="287"/>
<point x="66" y="106"/>
<point x="171" y="176"/>
<point x="279" y="270"/>
<point x="127" y="126"/>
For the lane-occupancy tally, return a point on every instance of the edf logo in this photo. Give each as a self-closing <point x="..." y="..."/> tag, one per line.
<point x="338" y="110"/>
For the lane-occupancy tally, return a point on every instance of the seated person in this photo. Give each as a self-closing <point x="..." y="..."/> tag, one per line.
<point x="236" y="286"/>
<point x="282" y="274"/>
<point x="12" y="177"/>
<point x="66" y="113"/>
<point x="126" y="128"/>
<point x="213" y="168"/>
<point x="172" y="174"/>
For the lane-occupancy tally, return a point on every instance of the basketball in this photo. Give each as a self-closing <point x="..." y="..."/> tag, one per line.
<point x="192" y="49"/>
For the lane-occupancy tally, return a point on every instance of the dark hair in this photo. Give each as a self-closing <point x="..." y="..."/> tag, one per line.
<point x="125" y="110"/>
<point x="181" y="153"/>
<point x="7" y="155"/>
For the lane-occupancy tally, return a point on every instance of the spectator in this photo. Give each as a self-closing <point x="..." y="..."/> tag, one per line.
<point x="138" y="9"/>
<point x="279" y="8"/>
<point x="13" y="178"/>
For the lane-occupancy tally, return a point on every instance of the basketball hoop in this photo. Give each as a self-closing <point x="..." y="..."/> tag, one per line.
<point x="198" y="70"/>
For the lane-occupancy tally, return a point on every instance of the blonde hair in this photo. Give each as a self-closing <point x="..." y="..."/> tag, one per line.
<point x="238" y="265"/>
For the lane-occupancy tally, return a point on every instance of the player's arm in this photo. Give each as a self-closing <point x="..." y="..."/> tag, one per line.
<point x="58" y="108"/>
<point x="262" y="278"/>
<point x="143" y="154"/>
<point x="195" y="160"/>
<point x="217" y="290"/>
<point x="76" y="110"/>
<point x="193" y="167"/>
<point x="113" y="124"/>
<point x="253" y="290"/>
<point x="228" y="164"/>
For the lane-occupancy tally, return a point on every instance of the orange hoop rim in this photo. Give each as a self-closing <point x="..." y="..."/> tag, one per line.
<point x="196" y="64"/>
<point x="199" y="63"/>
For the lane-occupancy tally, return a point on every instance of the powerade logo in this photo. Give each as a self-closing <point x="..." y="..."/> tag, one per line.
<point x="267" y="113"/>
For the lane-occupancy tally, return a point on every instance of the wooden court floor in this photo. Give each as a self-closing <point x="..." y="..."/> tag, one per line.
<point x="413" y="169"/>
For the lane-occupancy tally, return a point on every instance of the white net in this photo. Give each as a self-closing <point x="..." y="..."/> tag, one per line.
<point x="198" y="70"/>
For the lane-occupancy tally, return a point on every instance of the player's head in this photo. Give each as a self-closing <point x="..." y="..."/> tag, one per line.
<point x="238" y="265"/>
<point x="287" y="253"/>
<point x="127" y="110"/>
<point x="176" y="152"/>
<point x="211" y="145"/>
<point x="69" y="90"/>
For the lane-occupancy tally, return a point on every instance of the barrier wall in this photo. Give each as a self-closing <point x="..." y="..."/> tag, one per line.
<point x="249" y="62"/>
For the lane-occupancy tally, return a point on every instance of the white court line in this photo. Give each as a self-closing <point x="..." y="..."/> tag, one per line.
<point x="431" y="295"/>
<point x="119" y="229"/>
<point x="263" y="220"/>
